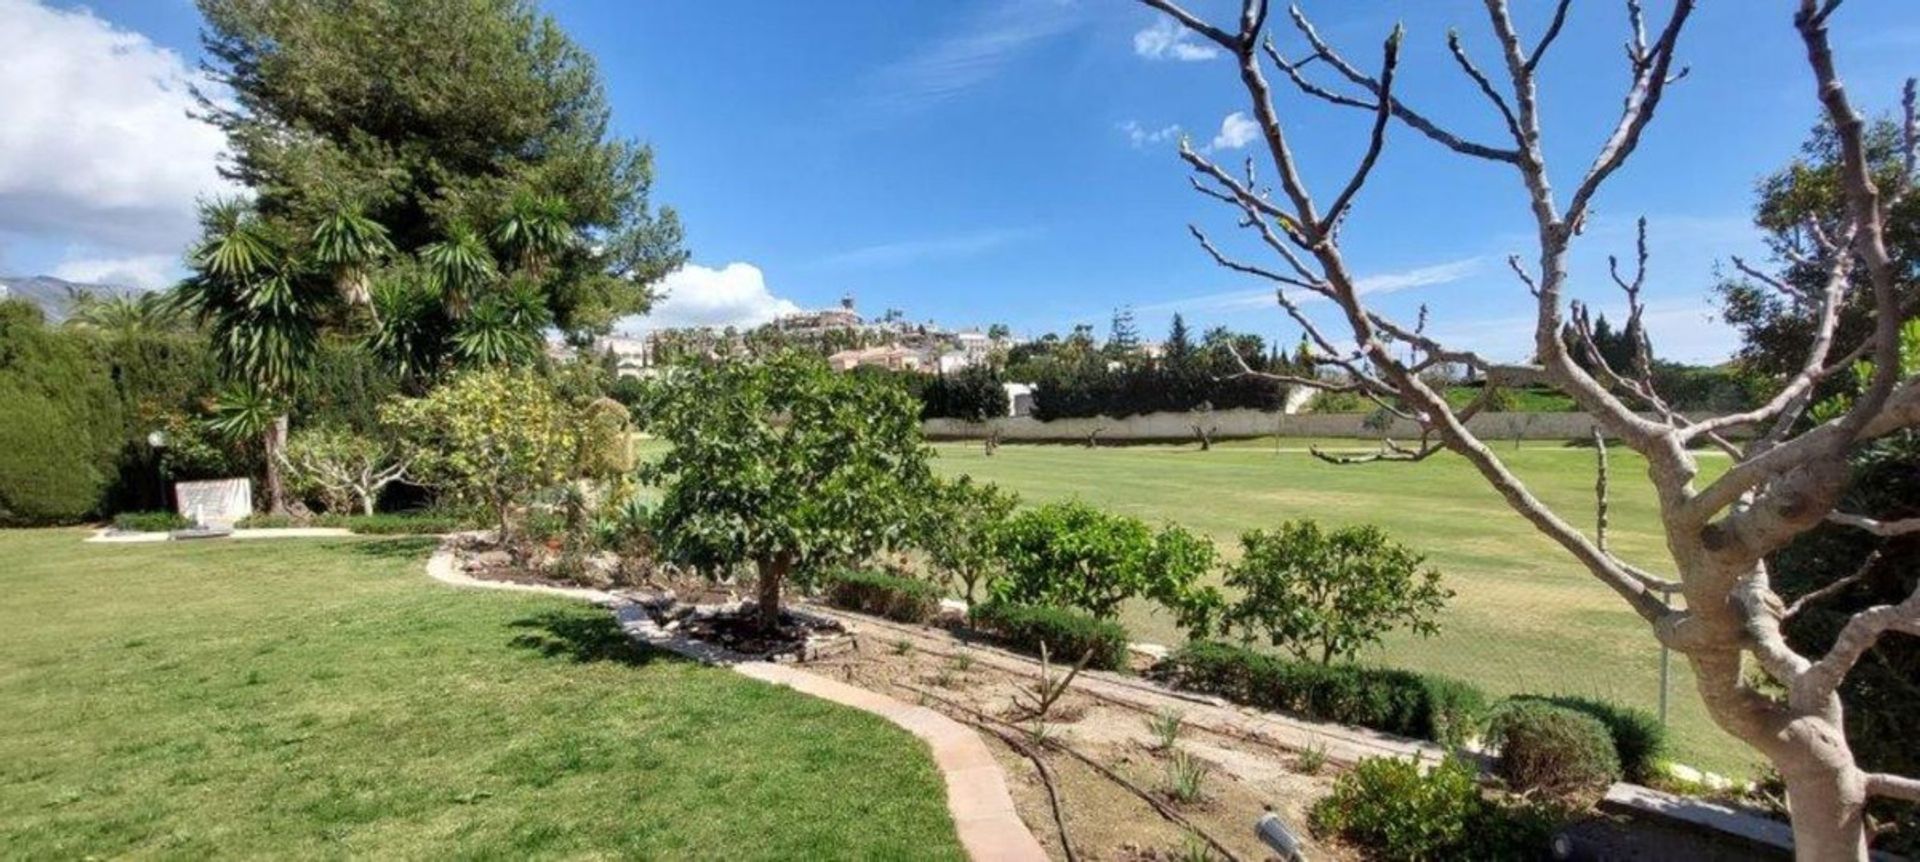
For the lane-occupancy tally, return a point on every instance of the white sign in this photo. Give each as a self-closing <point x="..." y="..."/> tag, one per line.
<point x="215" y="502"/>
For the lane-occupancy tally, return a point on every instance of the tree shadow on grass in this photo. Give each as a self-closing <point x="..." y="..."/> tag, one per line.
<point x="582" y="637"/>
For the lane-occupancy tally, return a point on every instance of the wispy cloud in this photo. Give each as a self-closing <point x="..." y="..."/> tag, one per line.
<point x="1236" y="131"/>
<point x="1683" y="329"/>
<point x="1140" y="136"/>
<point x="969" y="57"/>
<point x="1165" y="39"/>
<point x="1378" y="283"/>
<point x="929" y="248"/>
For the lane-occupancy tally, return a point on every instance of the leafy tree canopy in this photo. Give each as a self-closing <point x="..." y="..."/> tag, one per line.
<point x="366" y="124"/>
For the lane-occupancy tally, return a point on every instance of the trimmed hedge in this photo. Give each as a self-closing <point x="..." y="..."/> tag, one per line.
<point x="1639" y="740"/>
<point x="1552" y="748"/>
<point x="150" y="522"/>
<point x="1067" y="634"/>
<point x="1396" y="701"/>
<point x="896" y="598"/>
<point x="382" y="524"/>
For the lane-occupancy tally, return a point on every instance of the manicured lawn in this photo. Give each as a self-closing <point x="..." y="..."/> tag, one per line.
<point x="1527" y="617"/>
<point x="319" y="698"/>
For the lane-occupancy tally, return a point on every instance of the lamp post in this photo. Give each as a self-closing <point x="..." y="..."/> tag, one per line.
<point x="157" y="441"/>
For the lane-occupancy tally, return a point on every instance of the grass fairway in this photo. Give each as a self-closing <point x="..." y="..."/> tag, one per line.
<point x="320" y="698"/>
<point x="1527" y="618"/>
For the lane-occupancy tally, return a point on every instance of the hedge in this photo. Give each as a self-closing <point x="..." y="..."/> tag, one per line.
<point x="150" y="522"/>
<point x="1395" y="701"/>
<point x="61" y="429"/>
<point x="382" y="524"/>
<point x="1552" y="748"/>
<point x="1639" y="739"/>
<point x="1068" y="634"/>
<point x="896" y="598"/>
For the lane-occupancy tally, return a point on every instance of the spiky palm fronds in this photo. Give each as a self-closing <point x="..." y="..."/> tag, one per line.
<point x="459" y="268"/>
<point x="351" y="245"/>
<point x="535" y="228"/>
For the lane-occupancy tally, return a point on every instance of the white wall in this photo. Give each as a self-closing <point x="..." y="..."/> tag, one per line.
<point x="1254" y="423"/>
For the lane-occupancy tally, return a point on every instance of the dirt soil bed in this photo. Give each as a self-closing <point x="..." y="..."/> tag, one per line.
<point x="1104" y="819"/>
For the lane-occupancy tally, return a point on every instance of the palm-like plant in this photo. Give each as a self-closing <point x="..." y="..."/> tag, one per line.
<point x="459" y="267"/>
<point x="262" y="316"/>
<point x="412" y="324"/>
<point x="534" y="230"/>
<point x="124" y="314"/>
<point x="505" y="328"/>
<point x="351" y="245"/>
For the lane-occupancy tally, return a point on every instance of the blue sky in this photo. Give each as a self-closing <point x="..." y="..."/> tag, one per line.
<point x="1009" y="160"/>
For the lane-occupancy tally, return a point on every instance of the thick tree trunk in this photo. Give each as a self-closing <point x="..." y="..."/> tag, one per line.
<point x="1826" y="791"/>
<point x="274" y="441"/>
<point x="773" y="572"/>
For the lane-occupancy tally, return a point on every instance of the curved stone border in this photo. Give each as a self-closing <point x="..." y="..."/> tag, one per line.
<point x="977" y="798"/>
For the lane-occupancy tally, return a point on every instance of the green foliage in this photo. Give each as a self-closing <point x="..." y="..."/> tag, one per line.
<point x="61" y="430"/>
<point x="343" y="469"/>
<point x="1395" y="701"/>
<point x="1551" y="748"/>
<point x="1186" y="777"/>
<point x="1165" y="726"/>
<point x="1639" y="739"/>
<point x="1327" y="594"/>
<point x="960" y="527"/>
<point x="896" y="598"/>
<point x="490" y="438"/>
<point x="973" y="394"/>
<point x="380" y="524"/>
<point x="1065" y="633"/>
<point x="475" y="122"/>
<point x="1074" y="555"/>
<point x="150" y="522"/>
<point x="1397" y="812"/>
<point x="784" y="462"/>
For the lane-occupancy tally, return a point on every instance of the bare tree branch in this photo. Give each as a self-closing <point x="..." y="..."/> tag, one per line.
<point x="1861" y="632"/>
<point x="1893" y="786"/>
<point x="1830" y="590"/>
<point x="1884" y="529"/>
<point x="1546" y="39"/>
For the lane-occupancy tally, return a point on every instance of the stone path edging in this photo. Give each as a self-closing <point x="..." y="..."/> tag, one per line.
<point x="977" y="797"/>
<point x="106" y="536"/>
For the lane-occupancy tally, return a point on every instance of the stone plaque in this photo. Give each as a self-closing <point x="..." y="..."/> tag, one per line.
<point x="214" y="502"/>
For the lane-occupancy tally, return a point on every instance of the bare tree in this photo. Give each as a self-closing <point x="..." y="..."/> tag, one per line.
<point x="1785" y="480"/>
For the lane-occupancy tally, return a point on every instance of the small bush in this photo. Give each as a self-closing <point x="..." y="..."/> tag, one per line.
<point x="896" y="598"/>
<point x="1409" y="704"/>
<point x="150" y="522"/>
<point x="1394" y="811"/>
<point x="1639" y="739"/>
<point x="1552" y="748"/>
<point x="1067" y="634"/>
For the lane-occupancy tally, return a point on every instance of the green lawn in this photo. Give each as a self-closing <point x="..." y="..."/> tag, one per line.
<point x="1527" y="617"/>
<point x="320" y="698"/>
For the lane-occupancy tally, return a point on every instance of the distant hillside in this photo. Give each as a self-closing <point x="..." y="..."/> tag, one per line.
<point x="54" y="295"/>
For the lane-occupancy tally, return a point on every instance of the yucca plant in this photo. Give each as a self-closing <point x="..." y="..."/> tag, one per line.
<point x="1186" y="777"/>
<point x="534" y="230"/>
<point x="459" y="268"/>
<point x="1165" y="727"/>
<point x="351" y="245"/>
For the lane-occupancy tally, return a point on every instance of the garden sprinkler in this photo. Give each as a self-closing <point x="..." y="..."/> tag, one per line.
<point x="1275" y="834"/>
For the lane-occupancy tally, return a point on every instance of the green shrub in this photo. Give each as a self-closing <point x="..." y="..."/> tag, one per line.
<point x="1074" y="555"/>
<point x="896" y="598"/>
<point x="1067" y="634"/>
<point x="61" y="426"/>
<point x="1639" y="739"/>
<point x="1395" y="811"/>
<point x="1552" y="748"/>
<point x="382" y="524"/>
<point x="150" y="522"/>
<point x="1396" y="701"/>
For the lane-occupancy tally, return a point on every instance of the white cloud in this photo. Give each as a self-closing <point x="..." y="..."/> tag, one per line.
<point x="910" y="251"/>
<point x="1236" y="131"/>
<point x="151" y="271"/>
<point x="1165" y="39"/>
<point x="1141" y="136"/>
<point x="96" y="147"/>
<point x="733" y="295"/>
<point x="1426" y="276"/>
<point x="970" y="56"/>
